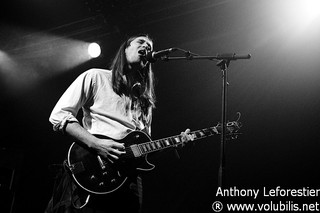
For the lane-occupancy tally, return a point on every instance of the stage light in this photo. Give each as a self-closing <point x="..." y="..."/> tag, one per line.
<point x="303" y="12"/>
<point x="311" y="8"/>
<point x="94" y="50"/>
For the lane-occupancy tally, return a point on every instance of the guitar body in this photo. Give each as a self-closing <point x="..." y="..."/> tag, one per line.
<point x="102" y="176"/>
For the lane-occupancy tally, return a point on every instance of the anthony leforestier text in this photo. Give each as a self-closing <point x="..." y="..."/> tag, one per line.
<point x="267" y="192"/>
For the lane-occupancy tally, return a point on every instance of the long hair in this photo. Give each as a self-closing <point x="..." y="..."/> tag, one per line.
<point x="123" y="86"/>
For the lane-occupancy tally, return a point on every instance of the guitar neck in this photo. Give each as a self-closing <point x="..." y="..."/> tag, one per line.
<point x="168" y="142"/>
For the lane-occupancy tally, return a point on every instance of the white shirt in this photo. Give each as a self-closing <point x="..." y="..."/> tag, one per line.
<point x="104" y="111"/>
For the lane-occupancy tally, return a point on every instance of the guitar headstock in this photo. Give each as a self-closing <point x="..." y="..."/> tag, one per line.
<point x="232" y="128"/>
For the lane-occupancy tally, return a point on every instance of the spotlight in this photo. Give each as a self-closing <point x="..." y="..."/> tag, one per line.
<point x="302" y="12"/>
<point x="311" y="9"/>
<point x="94" y="50"/>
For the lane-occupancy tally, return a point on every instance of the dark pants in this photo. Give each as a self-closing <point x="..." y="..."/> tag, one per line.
<point x="67" y="197"/>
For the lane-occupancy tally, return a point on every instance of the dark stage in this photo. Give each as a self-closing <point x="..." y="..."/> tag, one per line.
<point x="276" y="91"/>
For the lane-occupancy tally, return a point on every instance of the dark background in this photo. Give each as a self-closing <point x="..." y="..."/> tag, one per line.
<point x="276" y="91"/>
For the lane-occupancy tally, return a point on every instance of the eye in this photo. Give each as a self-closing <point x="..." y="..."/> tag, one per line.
<point x="147" y="43"/>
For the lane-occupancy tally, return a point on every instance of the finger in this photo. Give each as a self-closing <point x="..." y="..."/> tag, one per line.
<point x="113" y="157"/>
<point x="188" y="138"/>
<point x="117" y="152"/>
<point x="183" y="136"/>
<point x="191" y="137"/>
<point x="109" y="156"/>
<point x="119" y="146"/>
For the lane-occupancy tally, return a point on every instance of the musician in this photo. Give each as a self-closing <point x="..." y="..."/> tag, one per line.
<point x="114" y="102"/>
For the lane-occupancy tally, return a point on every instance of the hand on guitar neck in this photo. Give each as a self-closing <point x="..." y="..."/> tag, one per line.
<point x="186" y="136"/>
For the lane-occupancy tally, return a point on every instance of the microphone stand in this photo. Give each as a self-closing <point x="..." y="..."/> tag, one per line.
<point x="223" y="63"/>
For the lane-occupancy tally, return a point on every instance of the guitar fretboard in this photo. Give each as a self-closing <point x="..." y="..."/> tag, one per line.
<point x="164" y="143"/>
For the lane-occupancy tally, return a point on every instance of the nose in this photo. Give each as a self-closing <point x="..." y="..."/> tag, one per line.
<point x="146" y="46"/>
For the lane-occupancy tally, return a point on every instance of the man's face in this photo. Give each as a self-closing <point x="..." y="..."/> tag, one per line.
<point x="137" y="50"/>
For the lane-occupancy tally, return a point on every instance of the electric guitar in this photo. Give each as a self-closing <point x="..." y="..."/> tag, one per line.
<point x="98" y="175"/>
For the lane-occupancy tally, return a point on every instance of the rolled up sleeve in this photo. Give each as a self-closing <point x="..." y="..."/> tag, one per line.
<point x="66" y="109"/>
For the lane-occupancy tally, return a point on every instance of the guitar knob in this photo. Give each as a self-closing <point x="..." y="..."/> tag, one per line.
<point x="101" y="184"/>
<point x="92" y="177"/>
<point x="105" y="173"/>
<point x="113" y="180"/>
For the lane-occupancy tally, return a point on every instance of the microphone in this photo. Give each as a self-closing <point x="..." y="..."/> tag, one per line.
<point x="153" y="56"/>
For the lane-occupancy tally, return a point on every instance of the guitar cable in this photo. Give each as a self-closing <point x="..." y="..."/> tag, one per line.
<point x="72" y="196"/>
